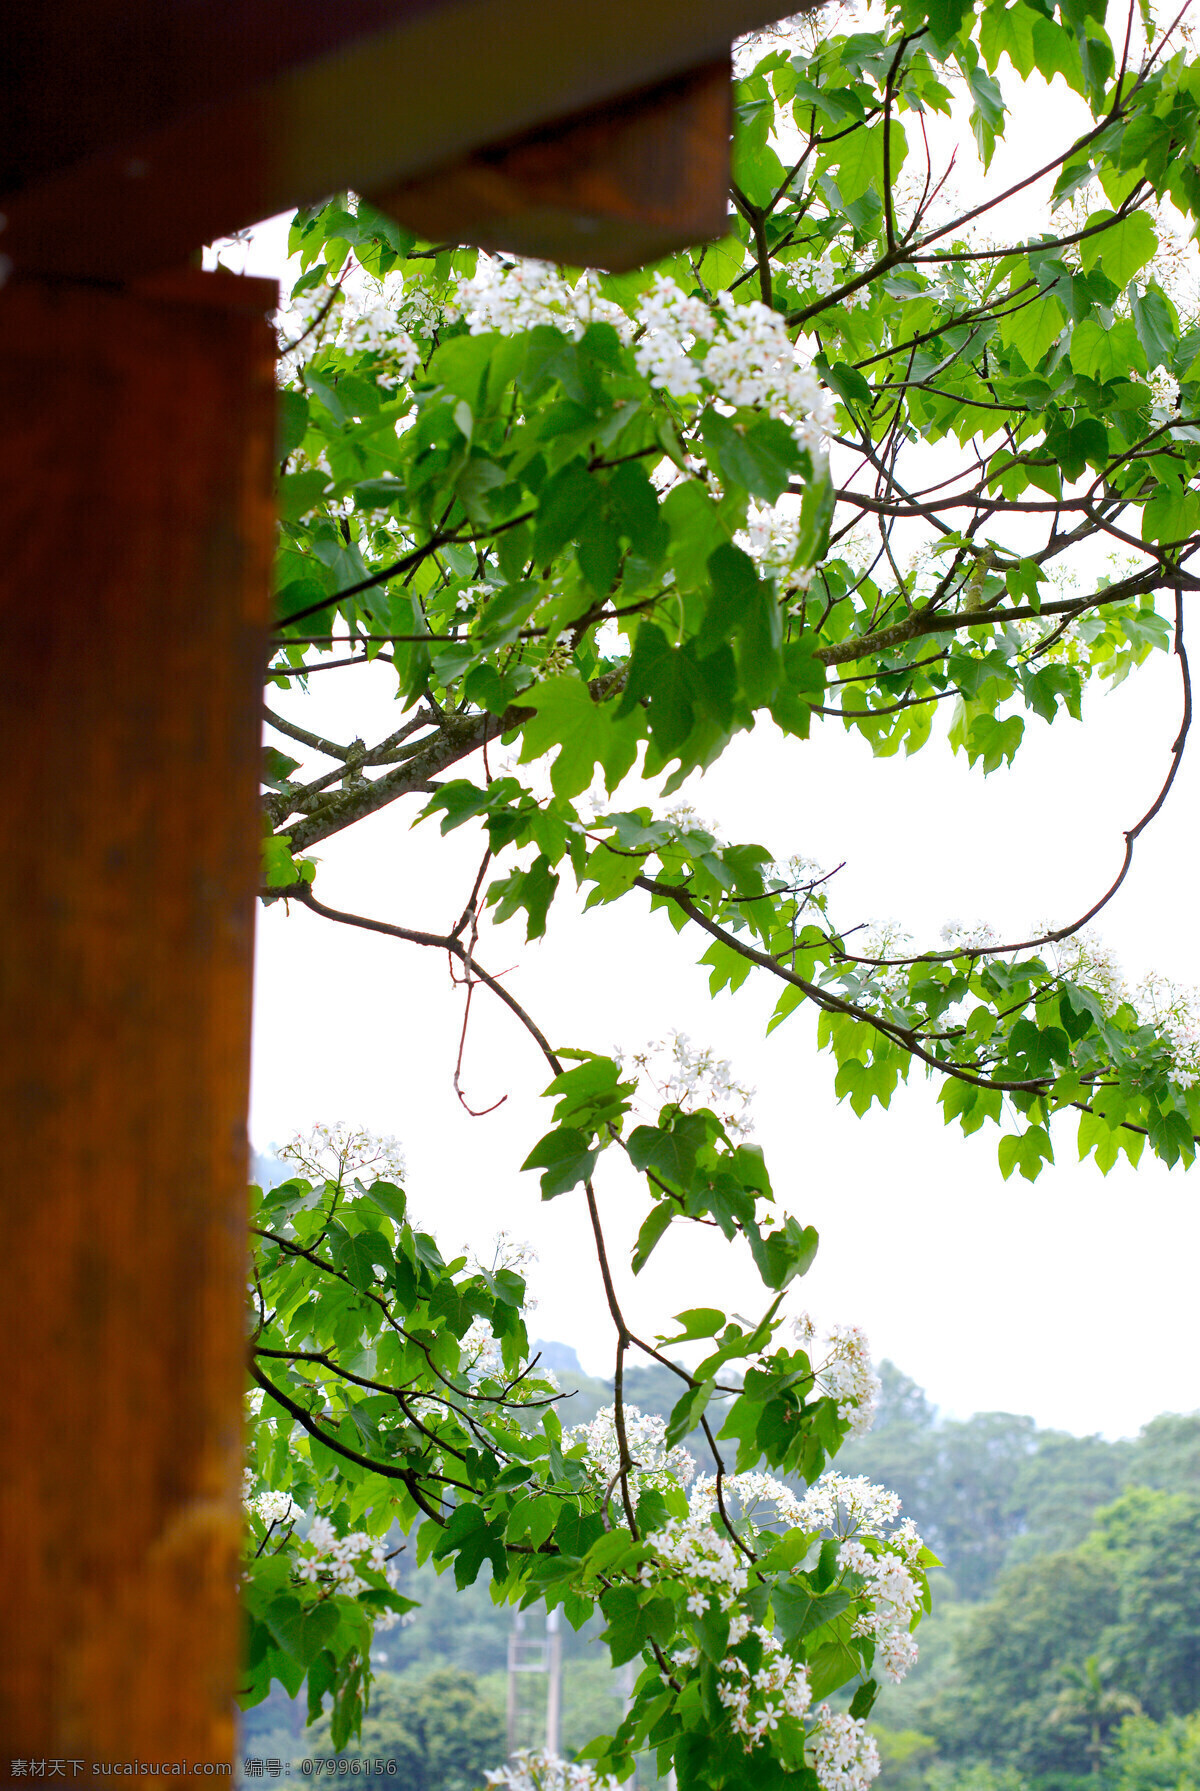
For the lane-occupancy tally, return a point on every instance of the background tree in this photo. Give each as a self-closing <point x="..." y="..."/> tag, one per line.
<point x="1046" y="1616"/>
<point x="1089" y="1703"/>
<point x="611" y="523"/>
<point x="441" y="1734"/>
<point x="1152" y="1756"/>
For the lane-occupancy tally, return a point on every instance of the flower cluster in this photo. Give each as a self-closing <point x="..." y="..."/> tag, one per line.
<point x="771" y="538"/>
<point x="334" y="1562"/>
<point x="1173" y="1011"/>
<point x="980" y="937"/>
<point x="693" y="1550"/>
<point x="847" y="1505"/>
<point x="824" y="276"/>
<point x="482" y="1359"/>
<point x="693" y="1076"/>
<point x="744" y="1495"/>
<point x="672" y="322"/>
<point x="748" y="359"/>
<point x="653" y="1463"/>
<point x="895" y="1597"/>
<point x="513" y="296"/>
<point x="844" y="1756"/>
<point x="332" y="1153"/>
<point x="759" y="1701"/>
<point x="761" y="1685"/>
<point x="853" y="1508"/>
<point x="842" y="1368"/>
<point x="1164" y="388"/>
<point x="275" y="1508"/>
<point x="481" y="1355"/>
<point x="540" y="1771"/>
<point x="1176" y="1013"/>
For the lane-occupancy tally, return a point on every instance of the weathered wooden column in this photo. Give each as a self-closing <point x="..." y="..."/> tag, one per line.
<point x="136" y="435"/>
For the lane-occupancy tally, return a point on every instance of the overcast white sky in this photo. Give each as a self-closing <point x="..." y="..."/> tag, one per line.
<point x="1074" y="1300"/>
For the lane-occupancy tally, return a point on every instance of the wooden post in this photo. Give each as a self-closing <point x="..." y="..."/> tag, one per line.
<point x="136" y="436"/>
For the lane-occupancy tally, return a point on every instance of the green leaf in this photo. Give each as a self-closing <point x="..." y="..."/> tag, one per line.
<point x="1008" y="31"/>
<point x="567" y="1159"/>
<point x="697" y="1321"/>
<point x="816" y="515"/>
<point x="633" y="1625"/>
<point x="1156" y="322"/>
<point x="357" y="1255"/>
<point x="782" y="1255"/>
<point x="831" y="1667"/>
<point x="291" y="424"/>
<point x="946" y="17"/>
<point x="987" y="114"/>
<point x="743" y="609"/>
<point x="864" y="1698"/>
<point x="1080" y="444"/>
<point x="1027" y="1151"/>
<point x="302" y="1630"/>
<point x="695" y="529"/>
<point x="1121" y="249"/>
<point x="471" y="1539"/>
<point x="858" y="158"/>
<point x="653" y="1229"/>
<point x="846" y="381"/>
<point x="669" y="1151"/>
<point x="533" y="890"/>
<point x="277" y="768"/>
<point x="301" y="492"/>
<point x="587" y="734"/>
<point x="759" y="456"/>
<point x="375" y="223"/>
<point x="390" y="1199"/>
<point x="1033" y="328"/>
<point x="567" y="502"/>
<point x="378" y="494"/>
<point x="799" y="1610"/>
<point x="1173" y="514"/>
<point x="658" y="677"/>
<point x="1106" y="354"/>
<point x="280" y="869"/>
<point x="688" y="1411"/>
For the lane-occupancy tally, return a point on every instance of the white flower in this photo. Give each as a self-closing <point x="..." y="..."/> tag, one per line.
<point x="481" y="1353"/>
<point x="512" y="297"/>
<point x="691" y="1076"/>
<point x="847" y="1505"/>
<point x="743" y="1495"/>
<point x="652" y="1462"/>
<point x="694" y="1551"/>
<point x="852" y="1557"/>
<point x="335" y="1561"/>
<point x="276" y="1508"/>
<point x="842" y="1366"/>
<point x="336" y="1152"/>
<point x="844" y="1756"/>
<point x="749" y="358"/>
<point x="537" y="1770"/>
<point x="772" y="538"/>
<point x="896" y="1651"/>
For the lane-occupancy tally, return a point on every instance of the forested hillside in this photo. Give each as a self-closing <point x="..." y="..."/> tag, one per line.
<point x="1064" y="1644"/>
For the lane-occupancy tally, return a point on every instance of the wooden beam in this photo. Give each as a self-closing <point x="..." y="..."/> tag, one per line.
<point x="616" y="187"/>
<point x="135" y="468"/>
<point x="136" y="132"/>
